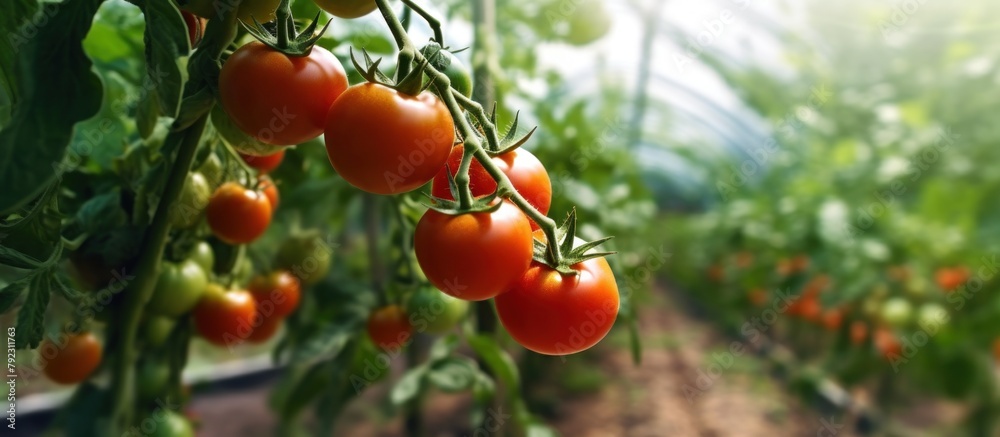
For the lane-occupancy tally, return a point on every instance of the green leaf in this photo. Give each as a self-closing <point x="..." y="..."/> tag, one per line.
<point x="327" y="343"/>
<point x="443" y="348"/>
<point x="166" y="40"/>
<point x="536" y="429"/>
<point x="453" y="374"/>
<point x="497" y="359"/>
<point x="409" y="386"/>
<point x="28" y="241"/>
<point x="16" y="18"/>
<point x="102" y="213"/>
<point x="33" y="144"/>
<point x="31" y="317"/>
<point x="10" y="293"/>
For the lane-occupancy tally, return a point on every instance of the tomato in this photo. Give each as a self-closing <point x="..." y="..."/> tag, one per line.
<point x="212" y="170"/>
<point x="716" y="273"/>
<point x="265" y="330"/>
<point x="225" y="318"/>
<point x="525" y="171"/>
<point x="461" y="78"/>
<point x="556" y="314"/>
<point x="237" y="215"/>
<point x="280" y="99"/>
<point x="195" y="26"/>
<point x="277" y="294"/>
<point x="72" y="358"/>
<point x="186" y="212"/>
<point x="896" y="312"/>
<point x="232" y="135"/>
<point x="886" y="343"/>
<point x="932" y="317"/>
<point x="588" y="22"/>
<point x="474" y="256"/>
<point x="434" y="312"/>
<point x="386" y="142"/>
<point x="858" y="332"/>
<point x="758" y="296"/>
<point x="307" y="256"/>
<point x="170" y="424"/>
<point x="949" y="279"/>
<point x="832" y="319"/>
<point x="266" y="186"/>
<point x="266" y="163"/>
<point x="152" y="378"/>
<point x="179" y="287"/>
<point x="156" y="330"/>
<point x="203" y="255"/>
<point x="348" y="8"/>
<point x="389" y="327"/>
<point x="262" y="10"/>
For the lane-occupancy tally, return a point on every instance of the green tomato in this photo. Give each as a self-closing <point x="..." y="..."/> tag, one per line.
<point x="156" y="330"/>
<point x="203" y="255"/>
<point x="932" y="316"/>
<point x="189" y="208"/>
<point x="461" y="79"/>
<point x="588" y="22"/>
<point x="348" y="8"/>
<point x="434" y="312"/>
<point x="237" y="139"/>
<point x="170" y="424"/>
<point x="307" y="256"/>
<point x="896" y="311"/>
<point x="152" y="379"/>
<point x="213" y="171"/>
<point x="262" y="10"/>
<point x="178" y="288"/>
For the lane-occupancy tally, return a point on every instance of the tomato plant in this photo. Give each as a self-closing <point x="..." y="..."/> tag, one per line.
<point x="386" y="142"/>
<point x="237" y="214"/>
<point x="450" y="250"/>
<point x="287" y="115"/>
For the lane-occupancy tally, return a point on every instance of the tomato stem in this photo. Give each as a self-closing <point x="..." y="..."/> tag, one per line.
<point x="284" y="11"/>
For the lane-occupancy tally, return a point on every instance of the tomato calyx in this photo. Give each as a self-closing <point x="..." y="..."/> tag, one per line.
<point x="571" y="252"/>
<point x="287" y="39"/>
<point x="411" y="83"/>
<point x="488" y="204"/>
<point x="510" y="141"/>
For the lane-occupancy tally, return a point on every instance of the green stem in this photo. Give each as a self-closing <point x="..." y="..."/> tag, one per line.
<point x="283" y="13"/>
<point x="472" y="141"/>
<point x="430" y="19"/>
<point x="372" y="222"/>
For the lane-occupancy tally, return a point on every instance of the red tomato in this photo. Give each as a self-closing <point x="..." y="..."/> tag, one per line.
<point x="758" y="296"/>
<point x="950" y="279"/>
<point x="266" y="329"/>
<point x="386" y="142"/>
<point x="71" y="359"/>
<point x="276" y="294"/>
<point x="279" y="99"/>
<point x="859" y="332"/>
<point x="237" y="215"/>
<point x="525" y="171"/>
<point x="270" y="190"/>
<point x="474" y="256"/>
<point x="264" y="164"/>
<point x="195" y="26"/>
<point x="556" y="314"/>
<point x="886" y="343"/>
<point x="832" y="319"/>
<point x="389" y="327"/>
<point x="226" y="318"/>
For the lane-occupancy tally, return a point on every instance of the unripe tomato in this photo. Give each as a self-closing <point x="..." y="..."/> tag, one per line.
<point x="261" y="10"/>
<point x="212" y="170"/>
<point x="386" y="142"/>
<point x="265" y="164"/>
<point x="434" y="312"/>
<point x="152" y="379"/>
<point x="896" y="312"/>
<point x="179" y="287"/>
<point x="556" y="314"/>
<point x="266" y="186"/>
<point x="277" y="294"/>
<point x="71" y="359"/>
<point x="186" y="212"/>
<point x="306" y="256"/>
<point x="225" y="318"/>
<point x="265" y="330"/>
<point x="588" y="22"/>
<point x="170" y="424"/>
<point x="525" y="171"/>
<point x="932" y="316"/>
<point x="474" y="256"/>
<point x="237" y="215"/>
<point x="203" y="255"/>
<point x="389" y="327"/>
<point x="460" y="77"/>
<point x="280" y="99"/>
<point x="156" y="330"/>
<point x="348" y="8"/>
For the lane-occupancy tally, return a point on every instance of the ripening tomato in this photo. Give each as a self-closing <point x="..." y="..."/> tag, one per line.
<point x="237" y="215"/>
<point x="832" y="319"/>
<point x="280" y="99"/>
<point x="277" y="294"/>
<point x="949" y="279"/>
<point x="179" y="287"/>
<point x="474" y="256"/>
<point x="525" y="171"/>
<point x="858" y="332"/>
<point x="556" y="314"/>
<point x="348" y="8"/>
<point x="389" y="327"/>
<point x="264" y="164"/>
<point x="261" y="10"/>
<point x="195" y="26"/>
<point x="170" y="424"/>
<point x="886" y="343"/>
<point x="306" y="255"/>
<point x="265" y="330"/>
<point x="72" y="358"/>
<point x="266" y="186"/>
<point x="758" y="296"/>
<point x="225" y="318"/>
<point x="386" y="142"/>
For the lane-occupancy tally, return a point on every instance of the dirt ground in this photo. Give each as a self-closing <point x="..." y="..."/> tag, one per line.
<point x="658" y="398"/>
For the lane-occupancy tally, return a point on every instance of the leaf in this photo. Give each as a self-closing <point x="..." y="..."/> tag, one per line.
<point x="102" y="213"/>
<point x="327" y="343"/>
<point x="17" y="20"/>
<point x="166" y="40"/>
<point x="536" y="429"/>
<point x="443" y="348"/>
<point x="31" y="317"/>
<point x="497" y="359"/>
<point x="409" y="386"/>
<point x="453" y="374"/>
<point x="30" y="240"/>
<point x="33" y="145"/>
<point x="10" y="293"/>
